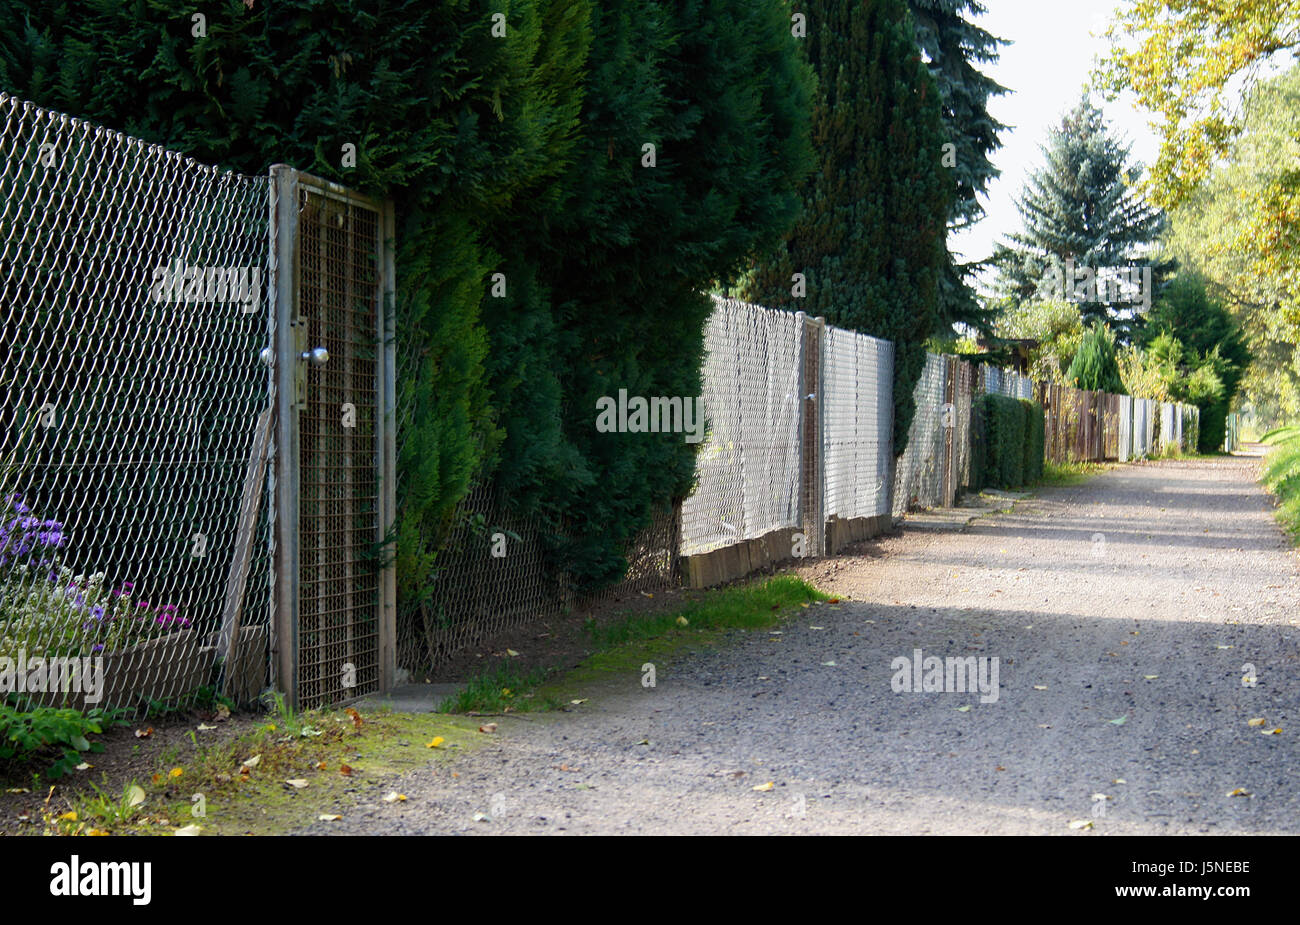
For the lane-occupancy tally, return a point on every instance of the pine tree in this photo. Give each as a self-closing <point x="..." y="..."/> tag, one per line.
<point x="1082" y="215"/>
<point x="956" y="48"/>
<point x="870" y="242"/>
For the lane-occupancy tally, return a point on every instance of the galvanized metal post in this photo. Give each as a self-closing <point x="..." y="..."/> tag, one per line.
<point x="284" y="509"/>
<point x="388" y="450"/>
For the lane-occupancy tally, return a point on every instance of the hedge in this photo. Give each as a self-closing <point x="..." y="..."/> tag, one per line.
<point x="1014" y="434"/>
<point x="1035" y="440"/>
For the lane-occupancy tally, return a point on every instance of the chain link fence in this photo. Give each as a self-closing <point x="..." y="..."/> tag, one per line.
<point x="132" y="316"/>
<point x="748" y="468"/>
<point x="858" y="419"/>
<point x="919" y="474"/>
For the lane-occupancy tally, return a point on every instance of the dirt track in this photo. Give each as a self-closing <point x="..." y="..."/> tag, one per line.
<point x="1174" y="570"/>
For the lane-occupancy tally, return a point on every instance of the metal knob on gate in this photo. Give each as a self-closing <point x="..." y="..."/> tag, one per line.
<point x="317" y="356"/>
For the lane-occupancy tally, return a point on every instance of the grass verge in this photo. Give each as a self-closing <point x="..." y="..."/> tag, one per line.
<point x="625" y="644"/>
<point x="1063" y="475"/>
<point x="1281" y="476"/>
<point x="290" y="771"/>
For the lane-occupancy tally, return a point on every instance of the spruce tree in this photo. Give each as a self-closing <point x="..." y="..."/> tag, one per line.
<point x="870" y="241"/>
<point x="1082" y="214"/>
<point x="957" y="48"/>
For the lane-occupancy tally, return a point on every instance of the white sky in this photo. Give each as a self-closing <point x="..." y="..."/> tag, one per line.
<point x="1054" y="45"/>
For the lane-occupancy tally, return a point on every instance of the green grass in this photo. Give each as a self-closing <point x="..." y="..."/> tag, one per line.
<point x="499" y="690"/>
<point x="1282" y="477"/>
<point x="627" y="643"/>
<point x="1280" y="435"/>
<point x="1061" y="475"/>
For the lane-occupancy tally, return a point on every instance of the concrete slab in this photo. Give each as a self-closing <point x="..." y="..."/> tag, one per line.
<point x="413" y="698"/>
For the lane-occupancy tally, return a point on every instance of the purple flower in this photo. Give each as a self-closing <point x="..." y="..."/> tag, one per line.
<point x="97" y="612"/>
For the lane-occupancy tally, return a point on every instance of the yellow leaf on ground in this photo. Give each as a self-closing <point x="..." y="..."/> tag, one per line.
<point x="134" y="795"/>
<point x="395" y="798"/>
<point x="296" y="783"/>
<point x="437" y="741"/>
<point x="1040" y="687"/>
<point x="1081" y="824"/>
<point x="188" y="830"/>
<point x="1239" y="792"/>
<point x="175" y="772"/>
<point x="253" y="762"/>
<point x="329" y="817"/>
<point x="70" y="816"/>
<point x="764" y="788"/>
<point x="1258" y="721"/>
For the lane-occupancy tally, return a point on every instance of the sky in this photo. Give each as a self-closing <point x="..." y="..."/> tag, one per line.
<point x="1055" y="44"/>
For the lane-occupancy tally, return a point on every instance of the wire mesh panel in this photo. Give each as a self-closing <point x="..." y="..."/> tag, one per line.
<point x="337" y="443"/>
<point x="919" y="473"/>
<point x="747" y="469"/>
<point x="132" y="424"/>
<point x="859" y="408"/>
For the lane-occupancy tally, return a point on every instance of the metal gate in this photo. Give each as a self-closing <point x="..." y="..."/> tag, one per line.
<point x="332" y="474"/>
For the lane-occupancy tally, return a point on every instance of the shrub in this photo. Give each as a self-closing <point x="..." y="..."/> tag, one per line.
<point x="32" y="735"/>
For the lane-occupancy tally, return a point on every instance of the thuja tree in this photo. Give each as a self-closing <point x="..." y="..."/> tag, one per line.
<point x="868" y="252"/>
<point x="693" y="139"/>
<point x="452" y="117"/>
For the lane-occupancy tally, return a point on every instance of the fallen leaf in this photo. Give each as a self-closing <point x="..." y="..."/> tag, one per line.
<point x="437" y="741"/>
<point x="223" y="712"/>
<point x="1224" y="647"/>
<point x="579" y="702"/>
<point x="1271" y="732"/>
<point x="84" y="766"/>
<point x="764" y="788"/>
<point x="1239" y="792"/>
<point x="1258" y="721"/>
<point x="203" y="727"/>
<point x="175" y="773"/>
<point x="682" y="621"/>
<point x="253" y="762"/>
<point x="188" y="830"/>
<point x="144" y="733"/>
<point x="830" y="664"/>
<point x="1151" y="677"/>
<point x="70" y="816"/>
<point x="1040" y="687"/>
<point x="395" y="798"/>
<point x="96" y="832"/>
<point x="345" y="770"/>
<point x="134" y="795"/>
<point x="964" y="709"/>
<point x="321" y="767"/>
<point x="511" y="652"/>
<point x="482" y="817"/>
<point x="296" y="783"/>
<point x="356" y="717"/>
<point x="329" y="817"/>
<point x="1081" y="824"/>
<point x="488" y="727"/>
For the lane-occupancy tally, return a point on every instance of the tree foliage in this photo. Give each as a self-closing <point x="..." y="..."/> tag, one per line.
<point x="1182" y="59"/>
<point x="1095" y="365"/>
<point x="957" y="48"/>
<point x="1240" y="228"/>
<point x="870" y="242"/>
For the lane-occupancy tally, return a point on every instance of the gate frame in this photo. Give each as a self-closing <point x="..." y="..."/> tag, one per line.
<point x="285" y="381"/>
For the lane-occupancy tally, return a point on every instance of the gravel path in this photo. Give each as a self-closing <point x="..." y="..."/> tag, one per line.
<point x="1133" y="601"/>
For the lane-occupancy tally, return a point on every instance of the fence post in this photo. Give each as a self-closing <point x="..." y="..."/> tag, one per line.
<point x="284" y="508"/>
<point x="812" y="493"/>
